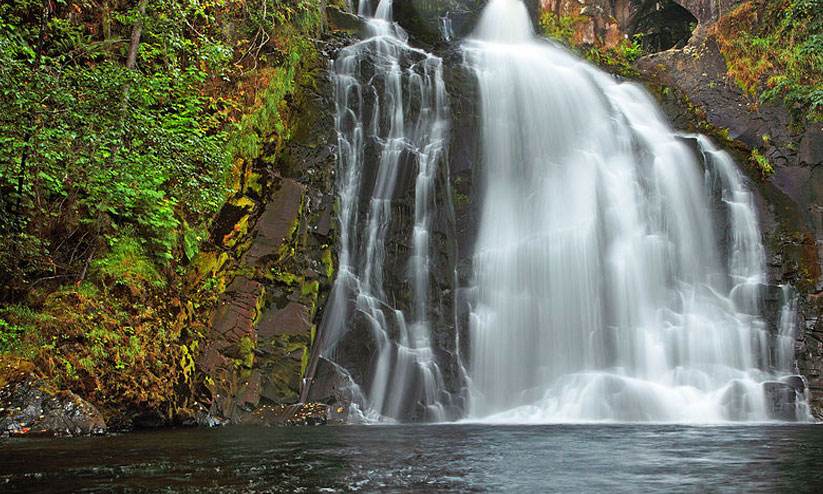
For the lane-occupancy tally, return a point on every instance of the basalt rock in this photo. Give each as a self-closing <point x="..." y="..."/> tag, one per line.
<point x="430" y="22"/>
<point x="272" y="249"/>
<point x="28" y="406"/>
<point x="783" y="397"/>
<point x="356" y="351"/>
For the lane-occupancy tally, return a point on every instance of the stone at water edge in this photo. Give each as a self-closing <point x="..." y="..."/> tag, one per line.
<point x="28" y="407"/>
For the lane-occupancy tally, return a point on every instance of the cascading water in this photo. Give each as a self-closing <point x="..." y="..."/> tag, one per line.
<point x="605" y="287"/>
<point x="391" y="116"/>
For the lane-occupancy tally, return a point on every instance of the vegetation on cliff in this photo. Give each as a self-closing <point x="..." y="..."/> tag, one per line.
<point x="774" y="49"/>
<point x="617" y="57"/>
<point x="126" y="126"/>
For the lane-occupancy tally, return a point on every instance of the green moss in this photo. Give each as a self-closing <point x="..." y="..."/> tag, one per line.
<point x="618" y="59"/>
<point x="289" y="279"/>
<point x="286" y="370"/>
<point x="255" y="184"/>
<point x="772" y="50"/>
<point x="245" y="349"/>
<point x="328" y="262"/>
<point x="762" y="163"/>
<point x="461" y="200"/>
<point x="310" y="289"/>
<point x="561" y="28"/>
<point x="238" y="233"/>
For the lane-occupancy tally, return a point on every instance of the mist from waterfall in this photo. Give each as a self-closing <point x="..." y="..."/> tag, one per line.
<point x="392" y="118"/>
<point x="616" y="278"/>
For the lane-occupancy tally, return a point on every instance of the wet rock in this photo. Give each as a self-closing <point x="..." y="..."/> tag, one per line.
<point x="277" y="221"/>
<point x="782" y="398"/>
<point x="789" y="200"/>
<point x="422" y="18"/>
<point x="810" y="353"/>
<point x="279" y="265"/>
<point x="343" y="21"/>
<point x="28" y="406"/>
<point x="697" y="94"/>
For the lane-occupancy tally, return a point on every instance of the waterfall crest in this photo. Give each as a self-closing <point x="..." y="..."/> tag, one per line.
<point x="616" y="278"/>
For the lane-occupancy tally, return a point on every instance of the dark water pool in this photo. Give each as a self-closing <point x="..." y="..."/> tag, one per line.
<point x="454" y="458"/>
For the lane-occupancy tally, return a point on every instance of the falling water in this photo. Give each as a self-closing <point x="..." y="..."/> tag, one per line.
<point x="446" y="28"/>
<point x="787" y="326"/>
<point x="391" y="118"/>
<point x="616" y="277"/>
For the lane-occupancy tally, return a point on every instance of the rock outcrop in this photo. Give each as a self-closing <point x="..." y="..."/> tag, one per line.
<point x="274" y="247"/>
<point x="28" y="406"/>
<point x="272" y="258"/>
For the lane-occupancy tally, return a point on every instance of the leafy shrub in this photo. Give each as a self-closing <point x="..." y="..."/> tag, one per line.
<point x="127" y="264"/>
<point x="774" y="50"/>
<point x="618" y="58"/>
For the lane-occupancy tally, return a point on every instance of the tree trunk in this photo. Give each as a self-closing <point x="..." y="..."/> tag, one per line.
<point x="131" y="63"/>
<point x="136" y="32"/>
<point x="106" y="21"/>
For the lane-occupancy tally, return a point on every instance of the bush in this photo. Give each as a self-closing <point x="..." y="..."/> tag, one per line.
<point x="774" y="50"/>
<point x="618" y="59"/>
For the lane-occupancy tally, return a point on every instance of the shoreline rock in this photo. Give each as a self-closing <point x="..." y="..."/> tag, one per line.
<point x="29" y="407"/>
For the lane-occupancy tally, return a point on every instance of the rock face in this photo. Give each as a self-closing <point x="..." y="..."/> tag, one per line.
<point x="810" y="351"/>
<point x="603" y="22"/>
<point x="782" y="397"/>
<point x="272" y="251"/>
<point x="355" y="352"/>
<point x="707" y="11"/>
<point x="28" y="407"/>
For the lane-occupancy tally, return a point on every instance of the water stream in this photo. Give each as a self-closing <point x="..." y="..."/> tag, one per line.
<point x="392" y="108"/>
<point x="604" y="288"/>
<point x="618" y="266"/>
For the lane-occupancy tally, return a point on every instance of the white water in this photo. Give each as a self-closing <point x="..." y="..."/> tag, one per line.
<point x="604" y="291"/>
<point x="390" y="97"/>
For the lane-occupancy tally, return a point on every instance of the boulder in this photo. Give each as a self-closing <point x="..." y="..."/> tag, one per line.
<point x="28" y="406"/>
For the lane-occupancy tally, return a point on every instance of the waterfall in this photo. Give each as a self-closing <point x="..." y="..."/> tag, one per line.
<point x="392" y="123"/>
<point x="617" y="277"/>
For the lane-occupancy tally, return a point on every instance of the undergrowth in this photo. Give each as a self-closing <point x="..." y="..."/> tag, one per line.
<point x="774" y="50"/>
<point x="617" y="59"/>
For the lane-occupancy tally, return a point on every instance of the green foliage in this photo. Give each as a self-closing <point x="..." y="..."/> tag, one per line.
<point x="16" y="323"/>
<point x="117" y="354"/>
<point x="91" y="150"/>
<point x="618" y="59"/>
<point x="127" y="264"/>
<point x="761" y="162"/>
<point x="560" y="28"/>
<point x="9" y="336"/>
<point x="110" y="175"/>
<point x="774" y="50"/>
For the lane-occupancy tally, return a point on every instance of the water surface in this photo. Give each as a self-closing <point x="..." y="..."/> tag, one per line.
<point x="445" y="458"/>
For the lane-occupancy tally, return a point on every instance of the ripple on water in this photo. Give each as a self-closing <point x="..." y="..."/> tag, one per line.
<point x="445" y="458"/>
